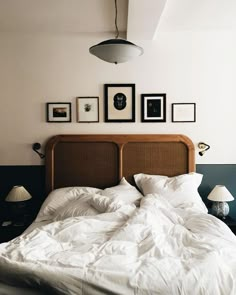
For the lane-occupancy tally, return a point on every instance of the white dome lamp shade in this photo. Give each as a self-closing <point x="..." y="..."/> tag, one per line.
<point x="116" y="50"/>
<point x="18" y="194"/>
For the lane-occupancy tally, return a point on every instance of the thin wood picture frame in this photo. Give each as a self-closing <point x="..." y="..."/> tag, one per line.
<point x="153" y="107"/>
<point x="87" y="109"/>
<point x="58" y="112"/>
<point x="183" y="112"/>
<point x="119" y="102"/>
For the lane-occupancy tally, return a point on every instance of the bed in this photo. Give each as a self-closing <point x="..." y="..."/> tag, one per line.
<point x="123" y="216"/>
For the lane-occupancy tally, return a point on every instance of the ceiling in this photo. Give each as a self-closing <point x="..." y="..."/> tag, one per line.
<point x="139" y="19"/>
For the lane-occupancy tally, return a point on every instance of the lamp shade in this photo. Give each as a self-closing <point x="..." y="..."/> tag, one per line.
<point x="18" y="194"/>
<point x="220" y="194"/>
<point x="116" y="50"/>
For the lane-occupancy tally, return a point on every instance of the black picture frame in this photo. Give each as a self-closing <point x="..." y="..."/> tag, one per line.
<point x="119" y="102"/>
<point x="87" y="109"/>
<point x="153" y="107"/>
<point x="183" y="112"/>
<point x="58" y="112"/>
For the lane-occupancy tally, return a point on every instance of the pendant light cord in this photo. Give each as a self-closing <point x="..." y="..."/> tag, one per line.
<point x="117" y="30"/>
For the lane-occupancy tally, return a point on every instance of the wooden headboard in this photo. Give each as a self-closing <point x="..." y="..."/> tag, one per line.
<point x="102" y="160"/>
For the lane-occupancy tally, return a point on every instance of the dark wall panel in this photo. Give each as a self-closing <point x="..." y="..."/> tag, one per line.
<point x="214" y="174"/>
<point x="33" y="179"/>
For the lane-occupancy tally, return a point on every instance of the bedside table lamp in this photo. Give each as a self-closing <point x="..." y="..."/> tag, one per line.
<point x="220" y="196"/>
<point x="17" y="197"/>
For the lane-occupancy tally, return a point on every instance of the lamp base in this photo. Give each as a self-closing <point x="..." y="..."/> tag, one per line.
<point x="220" y="209"/>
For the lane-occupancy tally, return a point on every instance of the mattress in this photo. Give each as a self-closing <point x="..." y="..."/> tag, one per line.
<point x="90" y="241"/>
<point x="154" y="249"/>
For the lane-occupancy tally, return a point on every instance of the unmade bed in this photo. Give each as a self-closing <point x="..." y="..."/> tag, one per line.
<point x="122" y="216"/>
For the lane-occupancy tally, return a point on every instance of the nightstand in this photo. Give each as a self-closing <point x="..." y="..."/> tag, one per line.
<point x="13" y="230"/>
<point x="10" y="232"/>
<point x="231" y="222"/>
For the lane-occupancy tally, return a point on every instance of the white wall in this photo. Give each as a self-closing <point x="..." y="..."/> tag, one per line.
<point x="187" y="67"/>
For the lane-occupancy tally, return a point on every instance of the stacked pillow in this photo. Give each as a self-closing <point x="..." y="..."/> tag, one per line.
<point x="61" y="197"/>
<point x="76" y="201"/>
<point x="181" y="191"/>
<point x="76" y="208"/>
<point x="124" y="191"/>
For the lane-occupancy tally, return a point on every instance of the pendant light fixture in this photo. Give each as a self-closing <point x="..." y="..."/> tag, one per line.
<point x="116" y="50"/>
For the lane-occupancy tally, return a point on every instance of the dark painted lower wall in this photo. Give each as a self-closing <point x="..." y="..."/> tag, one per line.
<point x="214" y="174"/>
<point x="33" y="179"/>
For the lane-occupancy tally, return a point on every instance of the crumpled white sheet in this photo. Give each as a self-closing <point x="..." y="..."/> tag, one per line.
<point x="154" y="249"/>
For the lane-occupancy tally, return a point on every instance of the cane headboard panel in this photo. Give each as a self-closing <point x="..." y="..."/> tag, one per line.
<point x="102" y="160"/>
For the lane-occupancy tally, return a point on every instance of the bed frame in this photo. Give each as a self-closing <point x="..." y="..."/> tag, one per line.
<point x="102" y="160"/>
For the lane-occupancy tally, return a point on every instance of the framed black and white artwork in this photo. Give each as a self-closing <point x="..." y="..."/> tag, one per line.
<point x="87" y="109"/>
<point x="183" y="112"/>
<point x="153" y="107"/>
<point x="58" y="112"/>
<point x="119" y="102"/>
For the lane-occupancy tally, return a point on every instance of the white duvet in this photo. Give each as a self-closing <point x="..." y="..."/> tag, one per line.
<point x="154" y="249"/>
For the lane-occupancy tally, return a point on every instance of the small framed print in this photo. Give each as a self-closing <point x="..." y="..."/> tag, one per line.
<point x="153" y="107"/>
<point x="183" y="112"/>
<point x="87" y="109"/>
<point x="119" y="102"/>
<point x="58" y="112"/>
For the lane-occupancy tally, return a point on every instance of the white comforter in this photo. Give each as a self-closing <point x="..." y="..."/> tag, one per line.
<point x="154" y="249"/>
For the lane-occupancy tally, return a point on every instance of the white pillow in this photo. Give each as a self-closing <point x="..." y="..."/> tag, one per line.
<point x="59" y="198"/>
<point x="124" y="191"/>
<point x="76" y="208"/>
<point x="180" y="191"/>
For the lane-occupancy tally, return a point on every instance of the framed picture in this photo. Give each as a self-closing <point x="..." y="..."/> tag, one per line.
<point x="183" y="112"/>
<point x="119" y="102"/>
<point x="153" y="107"/>
<point x="59" y="112"/>
<point x="87" y="109"/>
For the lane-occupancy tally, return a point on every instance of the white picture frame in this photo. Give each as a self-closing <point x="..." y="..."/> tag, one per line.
<point x="183" y="112"/>
<point x="87" y="109"/>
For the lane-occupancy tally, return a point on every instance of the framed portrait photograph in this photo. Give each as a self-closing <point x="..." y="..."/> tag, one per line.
<point x="87" y="109"/>
<point x="59" y="112"/>
<point x="153" y="107"/>
<point x="183" y="112"/>
<point x="119" y="102"/>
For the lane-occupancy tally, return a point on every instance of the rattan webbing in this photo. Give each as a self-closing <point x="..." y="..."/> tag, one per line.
<point x="162" y="158"/>
<point x="101" y="160"/>
<point x="86" y="164"/>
